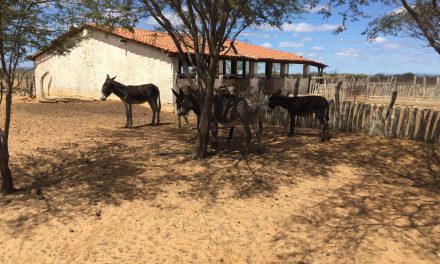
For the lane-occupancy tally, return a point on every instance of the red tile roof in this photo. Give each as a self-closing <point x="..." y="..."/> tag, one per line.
<point x="245" y="50"/>
<point x="242" y="50"/>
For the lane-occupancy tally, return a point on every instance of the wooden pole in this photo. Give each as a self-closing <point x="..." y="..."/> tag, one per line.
<point x="367" y="90"/>
<point x="402" y="132"/>
<point x="393" y="100"/>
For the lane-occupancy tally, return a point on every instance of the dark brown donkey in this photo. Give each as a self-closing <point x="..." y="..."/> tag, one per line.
<point x="133" y="94"/>
<point x="228" y="110"/>
<point x="303" y="106"/>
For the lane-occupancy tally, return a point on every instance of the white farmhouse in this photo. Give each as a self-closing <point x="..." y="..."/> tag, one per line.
<point x="140" y="57"/>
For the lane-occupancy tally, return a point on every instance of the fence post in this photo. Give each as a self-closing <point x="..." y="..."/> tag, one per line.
<point x="412" y="125"/>
<point x="338" y="103"/>
<point x="420" y="135"/>
<point x="435" y="136"/>
<point x="367" y="90"/>
<point x="402" y="132"/>
<point x="367" y="119"/>
<point x="295" y="91"/>
<point x="431" y="128"/>
<point x="360" y="115"/>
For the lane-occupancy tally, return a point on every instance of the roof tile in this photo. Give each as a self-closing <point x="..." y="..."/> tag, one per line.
<point x="164" y="42"/>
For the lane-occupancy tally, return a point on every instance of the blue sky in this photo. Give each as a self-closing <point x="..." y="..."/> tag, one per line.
<point x="347" y="52"/>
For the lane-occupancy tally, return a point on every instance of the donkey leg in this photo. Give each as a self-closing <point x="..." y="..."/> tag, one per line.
<point x="325" y="129"/>
<point x="292" y="125"/>
<point x="130" y="110"/>
<point x="231" y="132"/>
<point x="247" y="130"/>
<point x="157" y="111"/>
<point x="153" y="110"/>
<point x="214" y="132"/>
<point x="257" y="130"/>
<point x="127" y="124"/>
<point x="179" y="123"/>
<point x="321" y="119"/>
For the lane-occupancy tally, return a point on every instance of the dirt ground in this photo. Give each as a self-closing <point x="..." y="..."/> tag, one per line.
<point x="94" y="192"/>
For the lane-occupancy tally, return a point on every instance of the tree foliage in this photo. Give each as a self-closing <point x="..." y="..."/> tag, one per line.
<point x="419" y="19"/>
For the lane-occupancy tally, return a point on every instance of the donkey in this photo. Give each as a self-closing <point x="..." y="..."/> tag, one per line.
<point x="192" y="106"/>
<point x="303" y="106"/>
<point x="228" y="110"/>
<point x="133" y="94"/>
<point x="178" y="102"/>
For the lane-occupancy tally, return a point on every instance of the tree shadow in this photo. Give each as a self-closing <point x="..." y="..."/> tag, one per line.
<point x="393" y="198"/>
<point x="392" y="190"/>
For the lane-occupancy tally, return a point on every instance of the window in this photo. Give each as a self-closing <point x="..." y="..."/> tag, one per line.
<point x="227" y="67"/>
<point x="242" y="68"/>
<point x="261" y="68"/>
<point x="276" y="69"/>
<point x="191" y="68"/>
<point x="295" y="69"/>
<point x="240" y="65"/>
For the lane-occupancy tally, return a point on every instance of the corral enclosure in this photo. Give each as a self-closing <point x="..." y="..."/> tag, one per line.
<point x="93" y="192"/>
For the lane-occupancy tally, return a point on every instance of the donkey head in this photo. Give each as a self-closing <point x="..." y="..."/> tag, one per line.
<point x="187" y="102"/>
<point x="273" y="102"/>
<point x="106" y="87"/>
<point x="179" y="97"/>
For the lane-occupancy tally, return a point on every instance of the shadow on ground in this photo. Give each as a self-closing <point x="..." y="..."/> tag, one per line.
<point x="390" y="188"/>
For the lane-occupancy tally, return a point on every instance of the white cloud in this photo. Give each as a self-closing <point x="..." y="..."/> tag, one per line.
<point x="311" y="54"/>
<point x="347" y="53"/>
<point x="306" y="27"/>
<point x="307" y="39"/>
<point x="385" y="43"/>
<point x="379" y="40"/>
<point x="317" y="48"/>
<point x="267" y="45"/>
<point x="301" y="27"/>
<point x="390" y="45"/>
<point x="285" y="44"/>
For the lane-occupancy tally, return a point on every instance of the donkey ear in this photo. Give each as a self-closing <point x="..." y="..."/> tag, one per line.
<point x="113" y="78"/>
<point x="181" y="93"/>
<point x="277" y="92"/>
<point x="108" y="77"/>
<point x="175" y="93"/>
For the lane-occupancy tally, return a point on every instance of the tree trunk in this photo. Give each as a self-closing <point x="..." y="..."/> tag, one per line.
<point x="7" y="183"/>
<point x="201" y="149"/>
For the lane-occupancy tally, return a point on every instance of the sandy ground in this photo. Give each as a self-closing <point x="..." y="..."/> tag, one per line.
<point x="93" y="192"/>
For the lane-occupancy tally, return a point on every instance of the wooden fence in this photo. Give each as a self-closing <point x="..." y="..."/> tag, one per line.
<point x="402" y="122"/>
<point x="366" y="88"/>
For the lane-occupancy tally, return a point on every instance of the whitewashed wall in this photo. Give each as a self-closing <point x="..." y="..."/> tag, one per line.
<point x="81" y="73"/>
